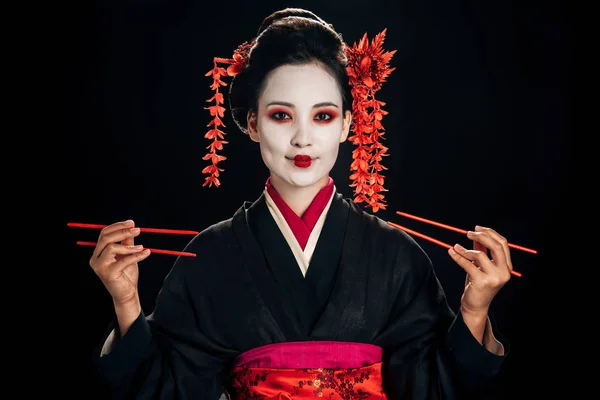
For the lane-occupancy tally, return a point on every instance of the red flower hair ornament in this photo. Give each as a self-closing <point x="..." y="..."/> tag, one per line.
<point x="368" y="68"/>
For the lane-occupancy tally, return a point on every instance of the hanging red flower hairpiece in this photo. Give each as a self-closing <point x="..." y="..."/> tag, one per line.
<point x="236" y="64"/>
<point x="368" y="67"/>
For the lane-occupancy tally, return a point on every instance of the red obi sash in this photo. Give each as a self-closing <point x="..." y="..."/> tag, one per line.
<point x="309" y="370"/>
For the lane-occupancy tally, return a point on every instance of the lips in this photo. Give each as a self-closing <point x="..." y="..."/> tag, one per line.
<point x="302" y="161"/>
<point x="302" y="157"/>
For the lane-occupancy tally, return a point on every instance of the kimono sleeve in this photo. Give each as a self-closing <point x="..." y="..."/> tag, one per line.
<point x="430" y="353"/>
<point x="167" y="354"/>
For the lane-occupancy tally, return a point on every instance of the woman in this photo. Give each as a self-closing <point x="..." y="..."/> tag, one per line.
<point x="324" y="299"/>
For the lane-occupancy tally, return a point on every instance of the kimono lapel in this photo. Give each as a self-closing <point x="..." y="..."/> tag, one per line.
<point x="338" y="312"/>
<point x="303" y="307"/>
<point x="267" y="289"/>
<point x="295" y="301"/>
<point x="303" y="257"/>
<point x="272" y="266"/>
<point x="311" y="292"/>
<point x="322" y="275"/>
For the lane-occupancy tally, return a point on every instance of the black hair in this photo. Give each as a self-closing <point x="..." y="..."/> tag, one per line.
<point x="289" y="36"/>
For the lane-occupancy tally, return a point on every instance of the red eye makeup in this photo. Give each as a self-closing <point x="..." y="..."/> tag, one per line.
<point x="279" y="114"/>
<point x="326" y="115"/>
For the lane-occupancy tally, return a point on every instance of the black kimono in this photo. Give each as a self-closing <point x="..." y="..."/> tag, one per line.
<point x="367" y="283"/>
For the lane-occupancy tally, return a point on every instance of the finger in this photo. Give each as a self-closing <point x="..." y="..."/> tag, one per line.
<point x="114" y="249"/>
<point x="495" y="247"/>
<point x="129" y="260"/>
<point x="114" y="237"/>
<point x="128" y="241"/>
<point x="117" y="226"/>
<point x="499" y="238"/>
<point x="111" y="251"/>
<point x="470" y="268"/>
<point x="476" y="257"/>
<point x="479" y="247"/>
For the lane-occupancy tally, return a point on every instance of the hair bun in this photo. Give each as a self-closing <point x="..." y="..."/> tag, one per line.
<point x="289" y="12"/>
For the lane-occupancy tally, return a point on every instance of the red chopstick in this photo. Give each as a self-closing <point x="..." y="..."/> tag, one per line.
<point x="171" y="252"/>
<point x="153" y="230"/>
<point x="446" y="245"/>
<point x="428" y="221"/>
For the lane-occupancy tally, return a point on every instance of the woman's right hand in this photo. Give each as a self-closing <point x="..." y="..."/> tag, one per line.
<point x="115" y="261"/>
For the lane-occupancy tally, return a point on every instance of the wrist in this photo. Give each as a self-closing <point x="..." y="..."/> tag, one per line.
<point x="476" y="321"/>
<point x="477" y="316"/>
<point x="127" y="303"/>
<point x="127" y="312"/>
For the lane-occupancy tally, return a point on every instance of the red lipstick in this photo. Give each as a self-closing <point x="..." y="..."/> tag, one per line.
<point x="302" y="161"/>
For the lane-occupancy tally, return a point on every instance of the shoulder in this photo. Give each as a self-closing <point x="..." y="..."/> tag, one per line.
<point x="215" y="233"/>
<point x="221" y="233"/>
<point x="210" y="236"/>
<point x="211" y="247"/>
<point x="381" y="237"/>
<point x="379" y="228"/>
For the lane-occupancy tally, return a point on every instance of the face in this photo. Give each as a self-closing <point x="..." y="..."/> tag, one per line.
<point x="299" y="115"/>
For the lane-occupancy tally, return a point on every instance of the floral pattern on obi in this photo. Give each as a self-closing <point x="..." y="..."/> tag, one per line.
<point x="308" y="383"/>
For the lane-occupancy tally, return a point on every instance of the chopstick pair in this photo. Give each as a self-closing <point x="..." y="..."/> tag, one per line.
<point x="407" y="230"/>
<point x="152" y="230"/>
<point x="452" y="228"/>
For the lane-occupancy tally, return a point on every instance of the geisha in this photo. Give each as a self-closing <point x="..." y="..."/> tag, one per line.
<point x="324" y="300"/>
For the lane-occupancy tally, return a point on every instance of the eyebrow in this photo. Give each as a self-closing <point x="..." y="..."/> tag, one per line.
<point x="285" y="104"/>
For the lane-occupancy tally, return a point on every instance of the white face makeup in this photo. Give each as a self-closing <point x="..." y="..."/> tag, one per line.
<point x="299" y="114"/>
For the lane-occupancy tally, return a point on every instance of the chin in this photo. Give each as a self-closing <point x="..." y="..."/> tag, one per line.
<point x="301" y="182"/>
<point x="304" y="180"/>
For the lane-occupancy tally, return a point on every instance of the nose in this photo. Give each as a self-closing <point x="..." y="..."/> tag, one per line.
<point x="301" y="137"/>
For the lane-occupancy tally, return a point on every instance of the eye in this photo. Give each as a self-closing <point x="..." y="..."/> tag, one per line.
<point x="323" y="116"/>
<point x="280" y="115"/>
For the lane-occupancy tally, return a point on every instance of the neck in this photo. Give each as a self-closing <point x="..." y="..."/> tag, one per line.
<point x="297" y="198"/>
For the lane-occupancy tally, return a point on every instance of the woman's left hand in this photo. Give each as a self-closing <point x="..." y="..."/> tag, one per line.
<point x="485" y="276"/>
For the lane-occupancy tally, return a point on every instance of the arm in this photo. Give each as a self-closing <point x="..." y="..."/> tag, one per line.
<point x="480" y="327"/>
<point x="430" y="352"/>
<point x="126" y="315"/>
<point x="485" y="277"/>
<point x="165" y="355"/>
